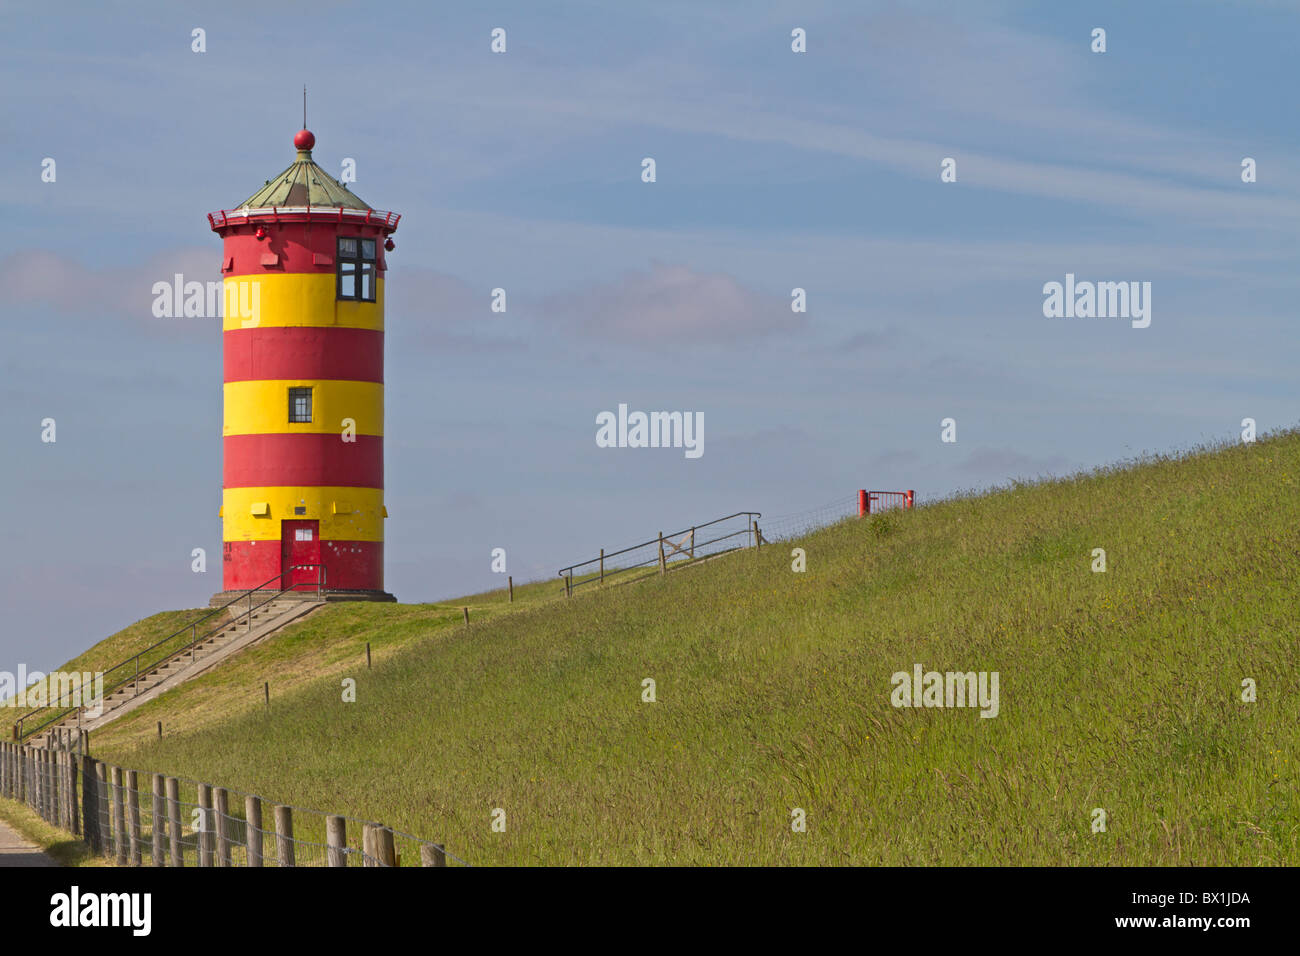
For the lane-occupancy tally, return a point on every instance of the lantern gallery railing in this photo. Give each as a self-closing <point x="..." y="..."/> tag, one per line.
<point x="368" y="217"/>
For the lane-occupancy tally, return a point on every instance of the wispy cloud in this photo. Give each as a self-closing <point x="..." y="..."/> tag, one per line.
<point x="671" y="305"/>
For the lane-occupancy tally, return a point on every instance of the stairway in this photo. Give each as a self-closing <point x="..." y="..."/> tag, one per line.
<point x="220" y="644"/>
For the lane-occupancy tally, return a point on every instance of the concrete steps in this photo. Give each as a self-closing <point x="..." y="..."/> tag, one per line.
<point x="182" y="667"/>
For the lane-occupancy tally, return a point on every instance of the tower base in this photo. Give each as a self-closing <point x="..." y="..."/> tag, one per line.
<point x="225" y="597"/>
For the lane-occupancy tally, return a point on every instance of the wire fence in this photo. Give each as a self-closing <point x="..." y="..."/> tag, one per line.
<point x="788" y="526"/>
<point x="137" y="818"/>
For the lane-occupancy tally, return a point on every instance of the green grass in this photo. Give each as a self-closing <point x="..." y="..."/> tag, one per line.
<point x="62" y="847"/>
<point x="1119" y="691"/>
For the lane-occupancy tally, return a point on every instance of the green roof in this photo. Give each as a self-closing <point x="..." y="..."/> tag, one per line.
<point x="303" y="184"/>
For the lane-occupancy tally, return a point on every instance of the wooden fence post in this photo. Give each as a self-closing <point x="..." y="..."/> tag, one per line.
<point x="119" y="818"/>
<point x="174" y="819"/>
<point x="74" y="810"/>
<point x="253" y="829"/>
<point x="663" y="568"/>
<point x="133" y="813"/>
<point x="48" y="759"/>
<point x="89" y="801"/>
<point x="206" y="828"/>
<point x="61" y="772"/>
<point x="466" y="610"/>
<point x="510" y="582"/>
<point x="367" y="655"/>
<point x="223" y="826"/>
<point x="54" y="805"/>
<point x="159" y="819"/>
<point x="103" y="800"/>
<point x="38" y="775"/>
<point x="43" y="783"/>
<point x="385" y="851"/>
<point x="54" y="801"/>
<point x="367" y="844"/>
<point x="432" y="854"/>
<point x="336" y="838"/>
<point x="284" y="835"/>
<point x="602" y="565"/>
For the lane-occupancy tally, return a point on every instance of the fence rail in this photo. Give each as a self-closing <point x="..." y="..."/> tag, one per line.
<point x="679" y="547"/>
<point x="136" y="818"/>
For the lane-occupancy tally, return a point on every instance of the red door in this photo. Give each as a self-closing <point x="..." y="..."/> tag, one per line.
<point x="300" y="545"/>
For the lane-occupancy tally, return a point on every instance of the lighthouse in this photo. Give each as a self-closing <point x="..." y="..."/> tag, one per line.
<point x="303" y="263"/>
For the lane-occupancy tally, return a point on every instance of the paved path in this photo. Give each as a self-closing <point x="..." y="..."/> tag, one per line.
<point x="15" y="850"/>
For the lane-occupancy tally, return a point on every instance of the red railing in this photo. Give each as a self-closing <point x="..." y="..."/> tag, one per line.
<point x="278" y="214"/>
<point x="874" y="502"/>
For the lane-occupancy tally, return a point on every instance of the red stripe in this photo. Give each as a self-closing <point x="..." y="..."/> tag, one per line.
<point x="305" y="461"/>
<point x="349" y="565"/>
<point x="302" y="352"/>
<point x="299" y="247"/>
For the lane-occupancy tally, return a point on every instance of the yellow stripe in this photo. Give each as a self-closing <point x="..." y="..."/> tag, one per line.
<point x="365" y="522"/>
<point x="262" y="407"/>
<point x="296" y="298"/>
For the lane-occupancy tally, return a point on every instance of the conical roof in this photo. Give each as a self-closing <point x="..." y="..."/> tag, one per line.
<point x="303" y="184"/>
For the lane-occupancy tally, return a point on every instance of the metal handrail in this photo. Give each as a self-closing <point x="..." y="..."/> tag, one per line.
<point x="195" y="639"/>
<point x="567" y="573"/>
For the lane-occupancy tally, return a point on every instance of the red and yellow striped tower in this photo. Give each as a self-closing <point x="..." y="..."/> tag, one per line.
<point x="303" y="339"/>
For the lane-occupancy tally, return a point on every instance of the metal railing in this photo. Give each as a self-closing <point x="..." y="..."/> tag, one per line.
<point x="874" y="502"/>
<point x="370" y="217"/>
<point x="677" y="547"/>
<point x="132" y="666"/>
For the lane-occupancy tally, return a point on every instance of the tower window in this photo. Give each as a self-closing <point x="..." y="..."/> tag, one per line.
<point x="300" y="405"/>
<point x="356" y="269"/>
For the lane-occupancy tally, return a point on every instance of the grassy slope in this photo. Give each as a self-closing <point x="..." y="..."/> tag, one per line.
<point x="112" y="650"/>
<point x="1118" y="690"/>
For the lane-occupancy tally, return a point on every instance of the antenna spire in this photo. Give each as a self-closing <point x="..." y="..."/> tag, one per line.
<point x="304" y="106"/>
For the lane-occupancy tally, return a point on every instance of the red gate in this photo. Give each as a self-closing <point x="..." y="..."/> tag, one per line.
<point x="874" y="502"/>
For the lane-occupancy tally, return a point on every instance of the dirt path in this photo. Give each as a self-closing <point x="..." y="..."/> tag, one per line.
<point x="15" y="850"/>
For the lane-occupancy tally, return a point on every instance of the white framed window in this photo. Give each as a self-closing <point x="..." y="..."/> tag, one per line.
<point x="302" y="534"/>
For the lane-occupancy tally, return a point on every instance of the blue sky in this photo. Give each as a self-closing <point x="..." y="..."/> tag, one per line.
<point x="775" y="170"/>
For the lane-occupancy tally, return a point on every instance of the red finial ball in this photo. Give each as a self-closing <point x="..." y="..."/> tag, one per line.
<point x="304" y="139"/>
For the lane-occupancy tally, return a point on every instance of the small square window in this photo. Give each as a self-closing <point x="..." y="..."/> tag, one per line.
<point x="300" y="405"/>
<point x="302" y="534"/>
<point x="348" y="248"/>
<point x="299" y="509"/>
